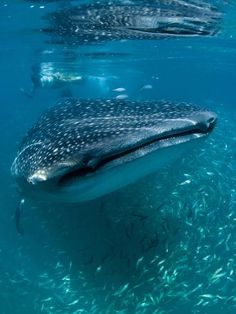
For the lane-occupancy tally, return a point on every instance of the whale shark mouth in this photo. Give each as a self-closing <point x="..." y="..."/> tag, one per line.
<point x="173" y="137"/>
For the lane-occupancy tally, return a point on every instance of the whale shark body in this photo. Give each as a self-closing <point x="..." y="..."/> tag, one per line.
<point x="80" y="149"/>
<point x="95" y="22"/>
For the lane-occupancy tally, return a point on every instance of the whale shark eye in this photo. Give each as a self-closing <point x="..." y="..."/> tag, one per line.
<point x="211" y="120"/>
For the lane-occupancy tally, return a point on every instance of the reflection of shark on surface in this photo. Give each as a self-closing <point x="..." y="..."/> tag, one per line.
<point x="82" y="150"/>
<point x="97" y="22"/>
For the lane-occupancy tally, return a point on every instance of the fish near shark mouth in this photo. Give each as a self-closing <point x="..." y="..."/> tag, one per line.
<point x="173" y="137"/>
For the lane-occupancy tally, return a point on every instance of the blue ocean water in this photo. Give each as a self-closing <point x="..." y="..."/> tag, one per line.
<point x="164" y="245"/>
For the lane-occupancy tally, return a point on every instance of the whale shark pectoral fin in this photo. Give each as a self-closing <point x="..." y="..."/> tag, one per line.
<point x="17" y="216"/>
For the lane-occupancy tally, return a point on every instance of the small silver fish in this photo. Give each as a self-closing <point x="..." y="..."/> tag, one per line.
<point x="119" y="89"/>
<point x="122" y="96"/>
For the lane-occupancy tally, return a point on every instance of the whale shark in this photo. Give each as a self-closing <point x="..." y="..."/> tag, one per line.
<point x="80" y="150"/>
<point x="96" y="22"/>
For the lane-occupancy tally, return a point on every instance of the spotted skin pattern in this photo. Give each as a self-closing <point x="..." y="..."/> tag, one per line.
<point x="98" y="23"/>
<point x="80" y="134"/>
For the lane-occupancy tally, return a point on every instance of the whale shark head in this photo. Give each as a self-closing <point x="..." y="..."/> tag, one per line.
<point x="81" y="149"/>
